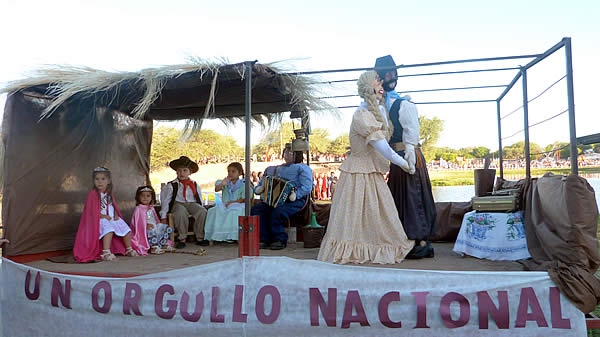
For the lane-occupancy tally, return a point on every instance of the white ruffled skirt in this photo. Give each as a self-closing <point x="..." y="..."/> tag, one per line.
<point x="119" y="227"/>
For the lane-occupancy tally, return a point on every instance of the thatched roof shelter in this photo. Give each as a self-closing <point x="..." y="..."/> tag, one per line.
<point x="63" y="122"/>
<point x="187" y="91"/>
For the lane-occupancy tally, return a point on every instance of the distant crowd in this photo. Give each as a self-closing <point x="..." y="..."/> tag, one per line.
<point x="512" y="164"/>
<point x="583" y="161"/>
<point x="220" y="159"/>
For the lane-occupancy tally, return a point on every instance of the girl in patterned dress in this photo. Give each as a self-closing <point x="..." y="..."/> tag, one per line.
<point x="146" y="225"/>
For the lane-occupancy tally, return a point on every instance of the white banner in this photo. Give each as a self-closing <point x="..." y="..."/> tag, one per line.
<point x="278" y="296"/>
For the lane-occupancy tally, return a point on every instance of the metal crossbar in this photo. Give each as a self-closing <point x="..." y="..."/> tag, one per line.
<point x="533" y="99"/>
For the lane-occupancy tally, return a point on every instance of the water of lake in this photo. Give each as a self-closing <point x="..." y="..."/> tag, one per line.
<point x="466" y="192"/>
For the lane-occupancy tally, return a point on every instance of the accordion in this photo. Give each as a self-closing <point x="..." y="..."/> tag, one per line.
<point x="277" y="190"/>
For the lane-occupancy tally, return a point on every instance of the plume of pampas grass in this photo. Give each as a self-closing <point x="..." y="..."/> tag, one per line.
<point x="64" y="82"/>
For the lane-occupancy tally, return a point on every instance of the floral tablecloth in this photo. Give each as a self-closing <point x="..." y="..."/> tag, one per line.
<point x="492" y="236"/>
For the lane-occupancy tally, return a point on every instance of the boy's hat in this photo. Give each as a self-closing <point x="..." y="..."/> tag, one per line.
<point x="184" y="161"/>
<point x="385" y="62"/>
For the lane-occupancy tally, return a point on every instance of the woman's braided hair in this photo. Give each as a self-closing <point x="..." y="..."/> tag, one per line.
<point x="366" y="91"/>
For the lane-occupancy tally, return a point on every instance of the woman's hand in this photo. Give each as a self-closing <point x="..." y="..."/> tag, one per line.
<point x="104" y="216"/>
<point x="149" y="226"/>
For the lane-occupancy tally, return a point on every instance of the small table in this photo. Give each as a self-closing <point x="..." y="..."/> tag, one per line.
<point x="492" y="236"/>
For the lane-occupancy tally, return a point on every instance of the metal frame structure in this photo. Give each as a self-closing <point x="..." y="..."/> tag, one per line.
<point x="522" y="73"/>
<point x="566" y="43"/>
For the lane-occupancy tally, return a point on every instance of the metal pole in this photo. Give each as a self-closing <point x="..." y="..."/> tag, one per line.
<point x="526" y="126"/>
<point x="418" y="65"/>
<point x="510" y="85"/>
<point x="571" y="102"/>
<point x="500" y="141"/>
<point x="546" y="54"/>
<point x="248" y="71"/>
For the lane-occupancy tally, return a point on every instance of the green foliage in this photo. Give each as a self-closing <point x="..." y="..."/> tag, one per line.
<point x="430" y="130"/>
<point x="517" y="150"/>
<point x="564" y="153"/>
<point x="480" y="152"/>
<point x="339" y="145"/>
<point x="275" y="139"/>
<point x="468" y="152"/>
<point x="596" y="148"/>
<point x="319" y="143"/>
<point x="167" y="146"/>
<point x="448" y="156"/>
<point x="457" y="178"/>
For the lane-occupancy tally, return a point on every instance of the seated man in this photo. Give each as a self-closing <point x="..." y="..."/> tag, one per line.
<point x="272" y="220"/>
<point x="182" y="197"/>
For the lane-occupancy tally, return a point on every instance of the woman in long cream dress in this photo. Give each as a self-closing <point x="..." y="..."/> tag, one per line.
<point x="363" y="224"/>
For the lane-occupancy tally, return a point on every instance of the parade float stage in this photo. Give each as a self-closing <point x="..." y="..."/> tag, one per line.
<point x="445" y="259"/>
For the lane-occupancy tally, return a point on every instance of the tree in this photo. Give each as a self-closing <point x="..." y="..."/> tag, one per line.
<point x="275" y="139"/>
<point x="318" y="141"/>
<point x="430" y="130"/>
<point x="596" y="148"/>
<point x="582" y="148"/>
<point x="167" y="145"/>
<point x="563" y="154"/>
<point x="448" y="156"/>
<point x="480" y="152"/>
<point x="339" y="145"/>
<point x="517" y="150"/>
<point x="466" y="152"/>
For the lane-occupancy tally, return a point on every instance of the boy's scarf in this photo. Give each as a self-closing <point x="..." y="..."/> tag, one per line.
<point x="188" y="183"/>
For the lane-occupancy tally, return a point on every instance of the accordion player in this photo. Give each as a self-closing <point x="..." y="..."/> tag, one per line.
<point x="275" y="191"/>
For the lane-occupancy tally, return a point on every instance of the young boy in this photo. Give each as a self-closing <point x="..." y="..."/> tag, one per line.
<point x="182" y="197"/>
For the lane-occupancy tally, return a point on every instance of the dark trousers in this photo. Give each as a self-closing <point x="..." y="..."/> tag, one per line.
<point x="414" y="199"/>
<point x="273" y="220"/>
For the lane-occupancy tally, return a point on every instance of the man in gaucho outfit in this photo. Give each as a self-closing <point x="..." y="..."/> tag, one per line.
<point x="411" y="191"/>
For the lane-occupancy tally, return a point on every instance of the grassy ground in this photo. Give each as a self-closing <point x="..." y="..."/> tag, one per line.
<point x="457" y="178"/>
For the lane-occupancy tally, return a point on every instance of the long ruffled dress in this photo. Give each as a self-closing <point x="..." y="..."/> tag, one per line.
<point x="222" y="222"/>
<point x="363" y="224"/>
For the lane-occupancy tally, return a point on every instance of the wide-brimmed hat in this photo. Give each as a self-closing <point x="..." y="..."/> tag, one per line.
<point x="385" y="62"/>
<point x="184" y="161"/>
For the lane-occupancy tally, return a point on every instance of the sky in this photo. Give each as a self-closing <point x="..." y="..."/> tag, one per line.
<point x="318" y="35"/>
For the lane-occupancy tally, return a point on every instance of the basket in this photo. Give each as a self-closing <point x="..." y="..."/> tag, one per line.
<point x="312" y="237"/>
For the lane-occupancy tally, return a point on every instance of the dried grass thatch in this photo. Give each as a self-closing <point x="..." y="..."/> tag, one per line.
<point x="140" y="93"/>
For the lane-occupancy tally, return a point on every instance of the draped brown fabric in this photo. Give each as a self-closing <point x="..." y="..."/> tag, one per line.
<point x="561" y="219"/>
<point x="449" y="220"/>
<point x="48" y="167"/>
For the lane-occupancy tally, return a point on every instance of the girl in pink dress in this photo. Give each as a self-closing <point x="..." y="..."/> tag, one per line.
<point x="147" y="229"/>
<point x="102" y="233"/>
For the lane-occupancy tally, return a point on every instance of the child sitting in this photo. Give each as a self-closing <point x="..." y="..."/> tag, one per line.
<point x="101" y="220"/>
<point x="182" y="198"/>
<point x="146" y="225"/>
<point x="222" y="220"/>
